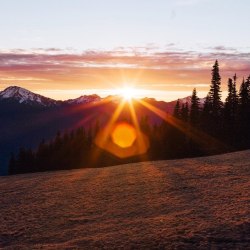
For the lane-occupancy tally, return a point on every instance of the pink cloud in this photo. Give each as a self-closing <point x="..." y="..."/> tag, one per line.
<point x="98" y="67"/>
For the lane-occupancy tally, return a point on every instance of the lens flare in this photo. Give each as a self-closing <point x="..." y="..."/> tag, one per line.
<point x="124" y="135"/>
<point x="123" y="140"/>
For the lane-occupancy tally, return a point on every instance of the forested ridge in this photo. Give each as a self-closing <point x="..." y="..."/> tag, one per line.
<point x="192" y="130"/>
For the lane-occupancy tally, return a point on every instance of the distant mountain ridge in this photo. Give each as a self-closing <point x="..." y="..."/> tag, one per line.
<point x="84" y="99"/>
<point x="27" y="118"/>
<point x="25" y="96"/>
<point x="188" y="100"/>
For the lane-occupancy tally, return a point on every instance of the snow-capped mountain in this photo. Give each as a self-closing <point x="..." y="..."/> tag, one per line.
<point x="84" y="99"/>
<point x="25" y="96"/>
<point x="188" y="100"/>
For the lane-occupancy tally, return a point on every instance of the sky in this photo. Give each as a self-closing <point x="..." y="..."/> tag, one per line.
<point x="164" y="48"/>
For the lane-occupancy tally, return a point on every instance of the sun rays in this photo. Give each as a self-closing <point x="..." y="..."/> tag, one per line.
<point x="127" y="139"/>
<point x="122" y="136"/>
<point x="203" y="139"/>
<point x="122" y="139"/>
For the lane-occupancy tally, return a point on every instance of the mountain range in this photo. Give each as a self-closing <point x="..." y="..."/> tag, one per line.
<point x="24" y="96"/>
<point x="28" y="118"/>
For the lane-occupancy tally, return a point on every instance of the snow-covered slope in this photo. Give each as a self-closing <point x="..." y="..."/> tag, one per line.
<point x="84" y="99"/>
<point x="188" y="100"/>
<point x="25" y="96"/>
<point x="200" y="203"/>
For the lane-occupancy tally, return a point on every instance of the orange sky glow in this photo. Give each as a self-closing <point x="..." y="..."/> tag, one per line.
<point x="164" y="75"/>
<point x="64" y="49"/>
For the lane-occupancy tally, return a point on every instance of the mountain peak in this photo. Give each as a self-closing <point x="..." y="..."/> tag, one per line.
<point x="23" y="95"/>
<point x="84" y="99"/>
<point x="14" y="91"/>
<point x="188" y="100"/>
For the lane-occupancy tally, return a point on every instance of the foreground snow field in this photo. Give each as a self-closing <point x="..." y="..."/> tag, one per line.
<point x="201" y="203"/>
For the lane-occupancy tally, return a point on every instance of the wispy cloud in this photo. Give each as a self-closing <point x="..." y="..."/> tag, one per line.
<point x="32" y="79"/>
<point x="172" y="69"/>
<point x="194" y="85"/>
<point x="175" y="60"/>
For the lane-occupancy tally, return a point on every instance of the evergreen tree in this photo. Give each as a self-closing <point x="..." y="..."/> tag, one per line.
<point x="244" y="113"/>
<point x="244" y="95"/>
<point x="215" y="92"/>
<point x="231" y="104"/>
<point x="229" y="98"/>
<point x="168" y="140"/>
<point x="244" y="98"/>
<point x="177" y="113"/>
<point x="206" y="114"/>
<point x="234" y="92"/>
<point x="195" y="108"/>
<point x="184" y="112"/>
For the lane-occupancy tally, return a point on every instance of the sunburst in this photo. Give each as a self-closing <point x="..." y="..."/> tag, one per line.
<point x="128" y="93"/>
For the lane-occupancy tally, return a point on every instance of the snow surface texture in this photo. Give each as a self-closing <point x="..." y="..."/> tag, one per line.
<point x="25" y="96"/>
<point x="200" y="203"/>
<point x="84" y="99"/>
<point x="188" y="100"/>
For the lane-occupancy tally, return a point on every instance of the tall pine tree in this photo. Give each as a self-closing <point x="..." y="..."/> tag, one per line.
<point x="184" y="112"/>
<point x="244" y="112"/>
<point x="177" y="110"/>
<point x="214" y="95"/>
<point x="231" y="104"/>
<point x="195" y="108"/>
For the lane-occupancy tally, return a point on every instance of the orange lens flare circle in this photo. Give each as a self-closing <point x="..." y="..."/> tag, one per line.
<point x="124" y="135"/>
<point x="122" y="140"/>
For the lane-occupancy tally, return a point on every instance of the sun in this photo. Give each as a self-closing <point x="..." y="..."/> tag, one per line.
<point x="128" y="93"/>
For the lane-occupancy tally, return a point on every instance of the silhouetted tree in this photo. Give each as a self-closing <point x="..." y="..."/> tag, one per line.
<point x="235" y="95"/>
<point x="169" y="139"/>
<point x="244" y="95"/>
<point x="214" y="95"/>
<point x="212" y="110"/>
<point x="231" y="112"/>
<point x="184" y="113"/>
<point x="195" y="108"/>
<point x="244" y="112"/>
<point x="177" y="110"/>
<point x="231" y="103"/>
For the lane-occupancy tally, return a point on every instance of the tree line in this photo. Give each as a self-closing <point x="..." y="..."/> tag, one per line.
<point x="192" y="130"/>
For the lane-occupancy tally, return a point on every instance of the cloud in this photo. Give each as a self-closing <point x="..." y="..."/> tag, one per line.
<point x="32" y="79"/>
<point x="222" y="48"/>
<point x="194" y="85"/>
<point x="95" y="68"/>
